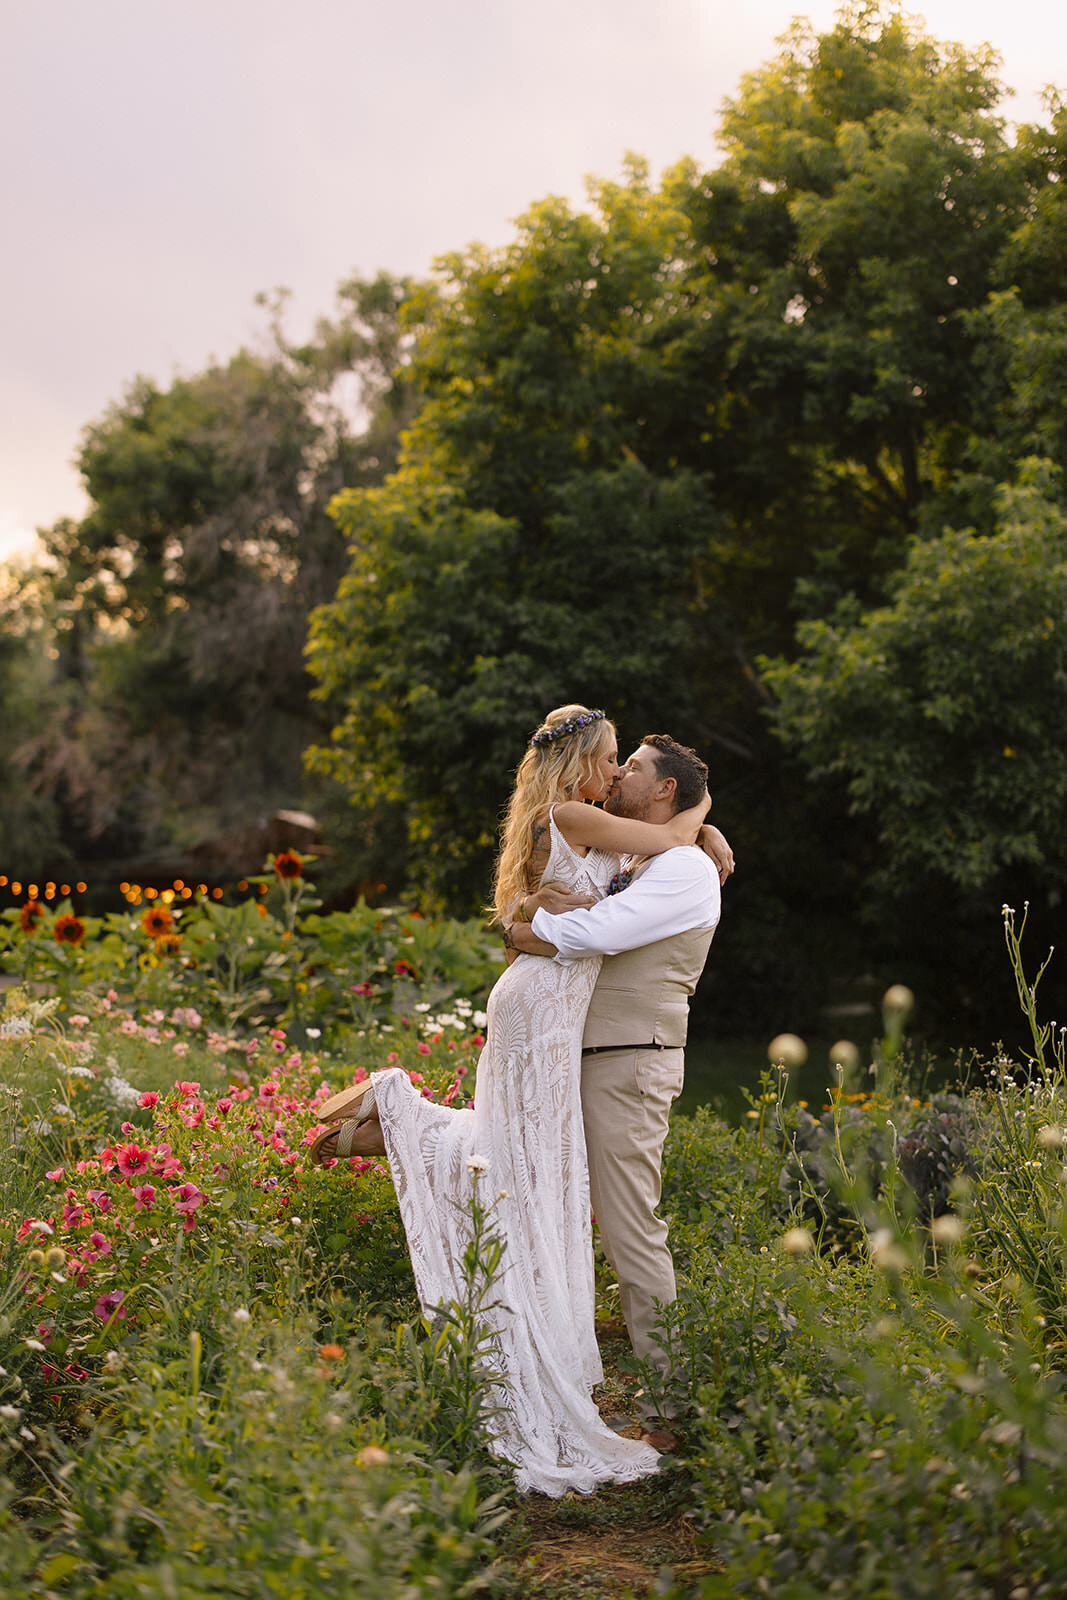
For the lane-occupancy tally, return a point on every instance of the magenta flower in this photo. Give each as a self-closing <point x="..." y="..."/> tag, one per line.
<point x="145" y="1196"/>
<point x="132" y="1161"/>
<point x="223" y="1105"/>
<point x="109" y="1307"/>
<point x="149" y="1100"/>
<point x="187" y="1090"/>
<point x="101" y="1245"/>
<point x="56" y="1175"/>
<point x="188" y="1198"/>
<point x="100" y="1199"/>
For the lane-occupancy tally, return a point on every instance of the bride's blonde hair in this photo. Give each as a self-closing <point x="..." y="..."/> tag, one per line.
<point x="553" y="768"/>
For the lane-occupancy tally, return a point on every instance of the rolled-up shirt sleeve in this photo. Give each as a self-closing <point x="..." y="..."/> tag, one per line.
<point x="677" y="892"/>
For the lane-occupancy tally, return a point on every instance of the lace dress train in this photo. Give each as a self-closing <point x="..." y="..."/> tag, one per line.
<point x="526" y="1127"/>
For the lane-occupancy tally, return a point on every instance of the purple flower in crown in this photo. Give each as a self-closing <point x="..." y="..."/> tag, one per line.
<point x="569" y="725"/>
<point x="621" y="881"/>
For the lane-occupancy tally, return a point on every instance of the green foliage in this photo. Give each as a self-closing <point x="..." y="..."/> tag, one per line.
<point x="941" y="710"/>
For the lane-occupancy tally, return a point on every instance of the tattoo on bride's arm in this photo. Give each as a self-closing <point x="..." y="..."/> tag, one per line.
<point x="540" y="846"/>
<point x="509" y="943"/>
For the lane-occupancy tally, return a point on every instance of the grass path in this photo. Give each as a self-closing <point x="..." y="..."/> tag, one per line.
<point x="627" y="1539"/>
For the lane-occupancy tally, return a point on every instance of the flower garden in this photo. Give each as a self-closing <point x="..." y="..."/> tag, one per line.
<point x="214" y="1379"/>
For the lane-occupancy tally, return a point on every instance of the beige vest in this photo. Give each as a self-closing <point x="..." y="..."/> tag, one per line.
<point x="642" y="996"/>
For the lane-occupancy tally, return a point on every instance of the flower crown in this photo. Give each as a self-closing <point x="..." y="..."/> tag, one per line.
<point x="568" y="725"/>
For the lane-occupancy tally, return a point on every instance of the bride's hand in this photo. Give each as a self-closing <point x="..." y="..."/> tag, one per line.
<point x="686" y="825"/>
<point x="554" y="898"/>
<point x="714" y="844"/>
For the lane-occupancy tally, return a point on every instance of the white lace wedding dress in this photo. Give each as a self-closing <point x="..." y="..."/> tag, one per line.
<point x="526" y="1126"/>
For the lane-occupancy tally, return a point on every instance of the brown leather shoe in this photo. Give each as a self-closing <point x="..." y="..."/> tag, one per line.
<point x="349" y="1138"/>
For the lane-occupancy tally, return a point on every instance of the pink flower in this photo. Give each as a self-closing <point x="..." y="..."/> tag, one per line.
<point x="112" y="994"/>
<point x="267" y="1091"/>
<point x="186" y="1090"/>
<point x="56" y="1174"/>
<point x="76" y="1020"/>
<point x="149" y="1099"/>
<point x="129" y="1025"/>
<point x="293" y="1061"/>
<point x="277" y="1045"/>
<point x="100" y="1243"/>
<point x="423" y="1049"/>
<point x="132" y="1161"/>
<point x="145" y="1196"/>
<point x="181" y="1048"/>
<point x="152" y="1035"/>
<point x="416" y="1077"/>
<point x="188" y="1198"/>
<point x="74" y="1216"/>
<point x="100" y="1199"/>
<point x="362" y="988"/>
<point x="109" y="1306"/>
<point x="223" y="1105"/>
<point x="156" y="1016"/>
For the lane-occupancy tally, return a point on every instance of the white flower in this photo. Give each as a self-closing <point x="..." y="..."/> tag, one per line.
<point x="313" y="1033"/>
<point x="479" y="1019"/>
<point x="1050" y="1137"/>
<point x="241" y="1315"/>
<point x="33" y="1344"/>
<point x="14" y="1027"/>
<point x="12" y="1413"/>
<point x="898" y="997"/>
<point x="947" y="1229"/>
<point x="421" y="1005"/>
<point x="41" y="1227"/>
<point x="797" y="1241"/>
<point x="502" y="1195"/>
<point x="112" y="1361"/>
<point x="477" y="1165"/>
<point x="788" y="1049"/>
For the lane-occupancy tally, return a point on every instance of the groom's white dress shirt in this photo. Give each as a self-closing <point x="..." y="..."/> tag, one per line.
<point x="676" y="892"/>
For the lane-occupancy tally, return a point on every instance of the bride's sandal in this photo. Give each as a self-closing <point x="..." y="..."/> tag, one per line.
<point x="357" y="1101"/>
<point x="337" y="1141"/>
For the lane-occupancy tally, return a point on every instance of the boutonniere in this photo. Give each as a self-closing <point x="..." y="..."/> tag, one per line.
<point x="621" y="880"/>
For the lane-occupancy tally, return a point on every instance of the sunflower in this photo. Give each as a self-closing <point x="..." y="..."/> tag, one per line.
<point x="169" y="945"/>
<point x="287" y="864"/>
<point x="157" y="922"/>
<point x="68" y="929"/>
<point x="30" y="916"/>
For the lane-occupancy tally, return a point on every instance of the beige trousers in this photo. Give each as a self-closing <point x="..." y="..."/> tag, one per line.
<point x="626" y="1102"/>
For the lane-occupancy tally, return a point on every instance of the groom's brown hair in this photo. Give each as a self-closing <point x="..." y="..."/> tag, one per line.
<point x="677" y="761"/>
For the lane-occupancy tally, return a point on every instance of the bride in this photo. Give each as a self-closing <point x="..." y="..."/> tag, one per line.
<point x="523" y="1138"/>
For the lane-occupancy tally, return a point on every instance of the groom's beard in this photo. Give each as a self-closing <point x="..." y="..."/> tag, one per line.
<point x="619" y="806"/>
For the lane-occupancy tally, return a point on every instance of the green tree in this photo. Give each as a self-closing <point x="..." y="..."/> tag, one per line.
<point x="943" y="711"/>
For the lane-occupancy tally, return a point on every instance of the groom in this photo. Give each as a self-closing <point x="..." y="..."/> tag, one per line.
<point x="654" y="935"/>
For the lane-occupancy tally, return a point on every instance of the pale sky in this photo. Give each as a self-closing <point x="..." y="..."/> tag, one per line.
<point x="165" y="160"/>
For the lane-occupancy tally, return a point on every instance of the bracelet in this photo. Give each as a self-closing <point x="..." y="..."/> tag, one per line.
<point x="521" y="913"/>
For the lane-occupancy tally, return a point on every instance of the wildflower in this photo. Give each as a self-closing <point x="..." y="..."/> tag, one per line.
<point x="313" y="1033"/>
<point x="36" y="1258"/>
<point x="885" y="1252"/>
<point x="11" y="1413"/>
<point x="100" y="1243"/>
<point x="181" y="1048"/>
<point x="287" y="864"/>
<point x="364" y="989"/>
<point x="1050" y="1137"/>
<point x="56" y="1174"/>
<point x="242" y="1315"/>
<point x="788" y="1050"/>
<point x="112" y="1361"/>
<point x="947" y="1229"/>
<point x="68" y="929"/>
<point x="423" y="1049"/>
<point x="149" y="1099"/>
<point x="187" y="1090"/>
<point x="78" y="1020"/>
<point x="187" y="1200"/>
<point x="132" y="1161"/>
<point x="30" y="916"/>
<point x="129" y="1026"/>
<point x="372" y="1455"/>
<point x="844" y="1054"/>
<point x="332" y="1352"/>
<point x="34" y="1344"/>
<point x="109" y="1307"/>
<point x="476" y="1165"/>
<point x="797" y="1241"/>
<point x="41" y="1227"/>
<point x="898" y="997"/>
<point x="158" y="922"/>
<point x="55" y="1257"/>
